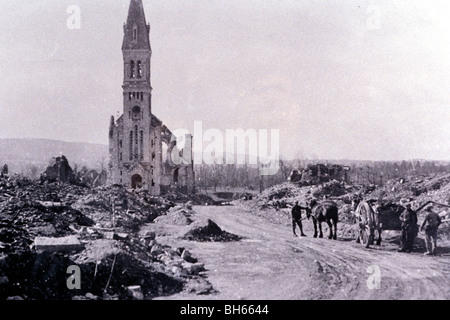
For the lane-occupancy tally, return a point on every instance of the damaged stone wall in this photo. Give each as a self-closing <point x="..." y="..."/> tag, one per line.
<point x="59" y="170"/>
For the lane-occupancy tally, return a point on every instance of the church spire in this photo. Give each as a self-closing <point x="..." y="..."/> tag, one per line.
<point x="136" y="29"/>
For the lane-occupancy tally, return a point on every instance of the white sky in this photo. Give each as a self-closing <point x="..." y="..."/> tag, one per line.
<point x="320" y="71"/>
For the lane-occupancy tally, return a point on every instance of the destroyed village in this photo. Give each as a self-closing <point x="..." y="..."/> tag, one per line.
<point x="125" y="220"/>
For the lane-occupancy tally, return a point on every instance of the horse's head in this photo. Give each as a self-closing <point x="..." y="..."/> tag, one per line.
<point x="309" y="207"/>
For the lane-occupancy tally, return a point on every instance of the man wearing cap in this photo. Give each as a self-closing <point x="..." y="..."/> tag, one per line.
<point x="430" y="225"/>
<point x="297" y="219"/>
<point x="409" y="229"/>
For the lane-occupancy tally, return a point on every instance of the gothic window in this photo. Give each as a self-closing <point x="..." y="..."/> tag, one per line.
<point x="136" y="147"/>
<point x="120" y="143"/>
<point x="133" y="69"/>
<point x="135" y="32"/>
<point x="142" y="144"/>
<point x="120" y="156"/>
<point x="142" y="96"/>
<point x="139" y="69"/>
<point x="131" y="145"/>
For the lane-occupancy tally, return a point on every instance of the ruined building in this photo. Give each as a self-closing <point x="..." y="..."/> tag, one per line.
<point x="141" y="147"/>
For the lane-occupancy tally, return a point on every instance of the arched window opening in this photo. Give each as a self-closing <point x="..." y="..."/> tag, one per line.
<point x="136" y="112"/>
<point x="139" y="69"/>
<point x="176" y="175"/>
<point x="135" y="32"/>
<point x="136" y="181"/>
<point x="133" y="70"/>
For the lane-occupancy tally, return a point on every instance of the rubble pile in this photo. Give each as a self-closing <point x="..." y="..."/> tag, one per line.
<point x="208" y="231"/>
<point x="275" y="202"/>
<point x="330" y="189"/>
<point x="46" y="226"/>
<point x="179" y="195"/>
<point x="436" y="186"/>
<point x="180" y="215"/>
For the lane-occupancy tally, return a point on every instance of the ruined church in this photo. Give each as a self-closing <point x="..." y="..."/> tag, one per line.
<point x="141" y="147"/>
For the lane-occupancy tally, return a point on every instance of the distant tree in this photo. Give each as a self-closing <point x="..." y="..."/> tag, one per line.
<point x="5" y="169"/>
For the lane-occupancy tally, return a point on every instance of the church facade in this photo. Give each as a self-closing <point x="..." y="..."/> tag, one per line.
<point x="140" y="145"/>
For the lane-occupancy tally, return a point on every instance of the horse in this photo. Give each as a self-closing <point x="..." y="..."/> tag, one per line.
<point x="368" y="219"/>
<point x="326" y="211"/>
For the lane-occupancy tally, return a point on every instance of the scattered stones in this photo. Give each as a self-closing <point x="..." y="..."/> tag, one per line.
<point x="66" y="244"/>
<point x="135" y="292"/>
<point x="156" y="250"/>
<point x="193" y="268"/>
<point x="90" y="296"/>
<point x="149" y="235"/>
<point x="187" y="256"/>
<point x="120" y="236"/>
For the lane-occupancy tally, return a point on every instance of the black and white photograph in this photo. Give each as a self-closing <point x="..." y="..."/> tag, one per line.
<point x="196" y="151"/>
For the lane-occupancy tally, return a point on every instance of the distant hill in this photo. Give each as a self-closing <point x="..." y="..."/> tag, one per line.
<point x="22" y="154"/>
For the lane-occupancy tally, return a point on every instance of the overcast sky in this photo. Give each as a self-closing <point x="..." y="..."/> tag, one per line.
<point x="340" y="79"/>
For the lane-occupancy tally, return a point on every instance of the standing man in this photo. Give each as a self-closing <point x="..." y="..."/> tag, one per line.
<point x="431" y="225"/>
<point x="409" y="229"/>
<point x="297" y="219"/>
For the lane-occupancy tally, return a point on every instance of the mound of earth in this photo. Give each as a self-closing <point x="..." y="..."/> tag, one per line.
<point x="330" y="189"/>
<point x="178" y="216"/>
<point x="208" y="231"/>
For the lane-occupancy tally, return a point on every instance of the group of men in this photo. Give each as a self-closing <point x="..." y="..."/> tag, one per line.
<point x="410" y="229"/>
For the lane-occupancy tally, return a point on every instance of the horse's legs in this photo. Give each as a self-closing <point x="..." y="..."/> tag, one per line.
<point x="335" y="228"/>
<point x="315" y="227"/>
<point x="320" y="229"/>
<point x="379" y="237"/>
<point x="331" y="229"/>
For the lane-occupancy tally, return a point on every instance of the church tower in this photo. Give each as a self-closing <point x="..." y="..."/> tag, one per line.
<point x="134" y="139"/>
<point x="137" y="136"/>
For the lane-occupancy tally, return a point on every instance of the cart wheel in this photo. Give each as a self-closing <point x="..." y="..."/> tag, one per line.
<point x="366" y="237"/>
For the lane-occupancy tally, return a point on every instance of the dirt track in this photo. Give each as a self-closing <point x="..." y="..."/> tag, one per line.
<point x="272" y="264"/>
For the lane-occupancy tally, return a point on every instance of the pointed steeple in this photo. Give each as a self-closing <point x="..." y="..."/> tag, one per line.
<point x="136" y="29"/>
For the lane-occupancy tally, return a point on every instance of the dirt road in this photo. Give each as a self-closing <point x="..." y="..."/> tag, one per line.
<point x="269" y="263"/>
